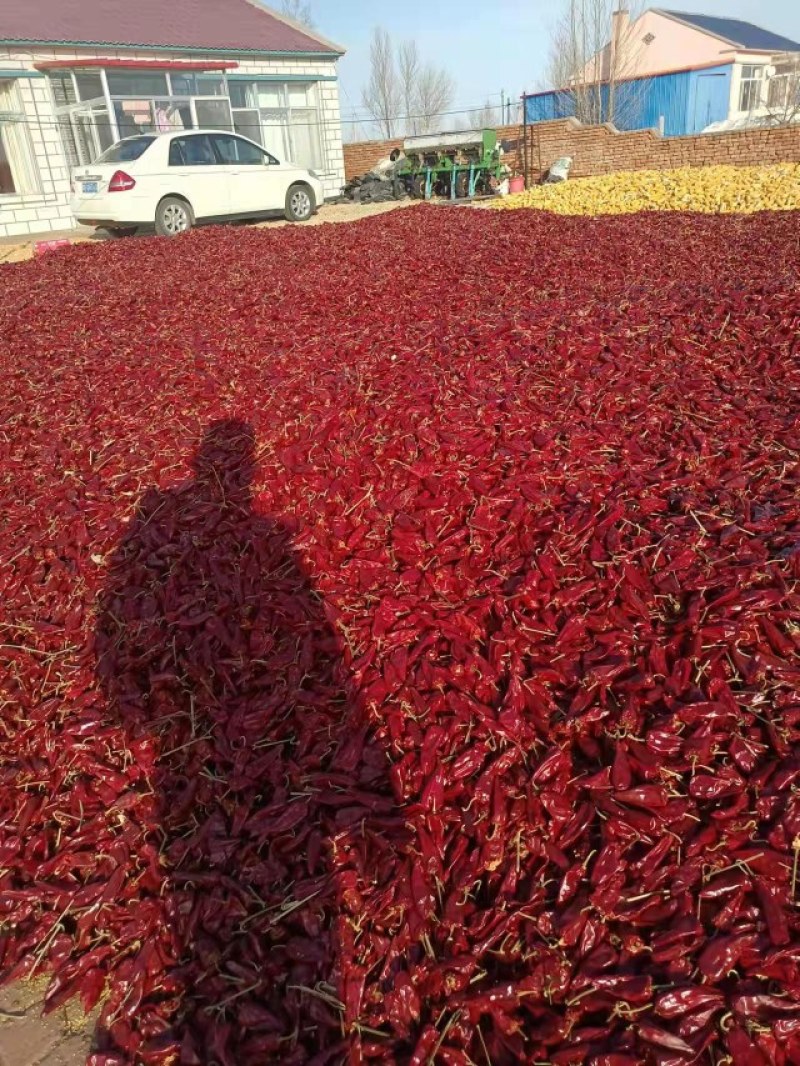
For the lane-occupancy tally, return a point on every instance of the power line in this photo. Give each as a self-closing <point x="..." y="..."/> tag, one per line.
<point x="362" y="112"/>
<point x="89" y="120"/>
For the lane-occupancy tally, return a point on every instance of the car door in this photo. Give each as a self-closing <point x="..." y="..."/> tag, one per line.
<point x="256" y="181"/>
<point x="195" y="173"/>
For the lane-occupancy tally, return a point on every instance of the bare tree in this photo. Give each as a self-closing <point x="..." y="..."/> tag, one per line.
<point x="408" y="69"/>
<point x="487" y="118"/>
<point x="435" y="92"/>
<point x="594" y="48"/>
<point x="299" y="11"/>
<point x="381" y="95"/>
<point x="421" y="91"/>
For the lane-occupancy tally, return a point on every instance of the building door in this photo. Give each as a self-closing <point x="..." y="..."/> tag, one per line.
<point x="710" y="101"/>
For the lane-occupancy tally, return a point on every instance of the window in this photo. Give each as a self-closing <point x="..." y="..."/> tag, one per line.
<point x="750" y="88"/>
<point x="172" y="115"/>
<point x="90" y="84"/>
<point x="18" y="173"/>
<point x="134" y="117"/>
<point x="183" y="84"/>
<point x="234" y="150"/>
<point x="304" y="125"/>
<point x="63" y="88"/>
<point x="210" y="85"/>
<point x="126" y="151"/>
<point x="783" y="92"/>
<point x="68" y="140"/>
<point x="776" y="91"/>
<point x="6" y="177"/>
<point x="137" y="83"/>
<point x="283" y="116"/>
<point x="242" y="94"/>
<point x="248" y="122"/>
<point x="213" y="114"/>
<point x="191" y="152"/>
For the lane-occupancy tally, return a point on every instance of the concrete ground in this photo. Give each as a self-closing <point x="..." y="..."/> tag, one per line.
<point x="15" y="249"/>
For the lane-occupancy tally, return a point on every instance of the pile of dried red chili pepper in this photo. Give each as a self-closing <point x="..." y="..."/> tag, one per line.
<point x="401" y="641"/>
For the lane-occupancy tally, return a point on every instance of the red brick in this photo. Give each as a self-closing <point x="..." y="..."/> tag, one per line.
<point x="599" y="149"/>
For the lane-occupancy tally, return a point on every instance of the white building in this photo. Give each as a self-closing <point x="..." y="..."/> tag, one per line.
<point x="77" y="75"/>
<point x="679" y="72"/>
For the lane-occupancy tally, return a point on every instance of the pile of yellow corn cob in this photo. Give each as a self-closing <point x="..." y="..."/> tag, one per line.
<point x="713" y="190"/>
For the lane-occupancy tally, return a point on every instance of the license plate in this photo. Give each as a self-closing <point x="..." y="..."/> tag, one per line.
<point x="90" y="186"/>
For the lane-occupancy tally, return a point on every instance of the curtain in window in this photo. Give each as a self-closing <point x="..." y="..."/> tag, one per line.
<point x="306" y="148"/>
<point x="305" y="138"/>
<point x="17" y="172"/>
<point x="275" y="129"/>
<point x="6" y="177"/>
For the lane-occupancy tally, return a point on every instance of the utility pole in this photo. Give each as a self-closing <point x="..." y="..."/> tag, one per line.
<point x="502" y="107"/>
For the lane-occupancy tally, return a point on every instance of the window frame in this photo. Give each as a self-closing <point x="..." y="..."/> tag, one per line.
<point x="280" y="125"/>
<point x="279" y="117"/>
<point x="787" y="81"/>
<point x="29" y="183"/>
<point x="751" y="84"/>
<point x="131" y="73"/>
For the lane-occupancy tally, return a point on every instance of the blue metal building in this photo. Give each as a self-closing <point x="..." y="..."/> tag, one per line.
<point x="684" y="101"/>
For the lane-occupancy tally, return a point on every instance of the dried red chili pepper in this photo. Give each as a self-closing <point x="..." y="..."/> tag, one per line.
<point x="501" y="701"/>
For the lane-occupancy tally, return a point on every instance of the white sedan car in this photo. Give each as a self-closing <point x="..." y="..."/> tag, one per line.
<point x="172" y="180"/>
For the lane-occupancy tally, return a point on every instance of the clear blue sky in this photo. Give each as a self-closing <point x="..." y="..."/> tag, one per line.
<point x="489" y="45"/>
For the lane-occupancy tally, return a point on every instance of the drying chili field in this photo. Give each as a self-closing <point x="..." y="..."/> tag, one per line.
<point x="401" y="641"/>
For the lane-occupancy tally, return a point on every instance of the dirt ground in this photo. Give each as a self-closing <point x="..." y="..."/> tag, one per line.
<point x="15" y="250"/>
<point x="63" y="1038"/>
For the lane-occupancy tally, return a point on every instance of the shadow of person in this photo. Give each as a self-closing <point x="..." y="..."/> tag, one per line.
<point x="215" y="654"/>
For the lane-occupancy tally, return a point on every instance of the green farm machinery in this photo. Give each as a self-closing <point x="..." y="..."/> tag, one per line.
<point x="455" y="165"/>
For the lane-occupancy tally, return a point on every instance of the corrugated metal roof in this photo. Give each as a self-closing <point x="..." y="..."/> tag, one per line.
<point x="742" y="34"/>
<point x="202" y="25"/>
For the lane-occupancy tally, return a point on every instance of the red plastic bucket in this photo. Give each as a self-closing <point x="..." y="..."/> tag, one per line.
<point x="517" y="184"/>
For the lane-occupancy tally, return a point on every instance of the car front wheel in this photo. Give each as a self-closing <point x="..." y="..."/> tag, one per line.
<point x="299" y="203"/>
<point x="173" y="216"/>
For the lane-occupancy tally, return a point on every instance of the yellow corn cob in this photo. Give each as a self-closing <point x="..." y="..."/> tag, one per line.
<point x="714" y="190"/>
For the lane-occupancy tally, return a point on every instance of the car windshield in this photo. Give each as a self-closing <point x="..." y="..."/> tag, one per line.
<point x="125" y="151"/>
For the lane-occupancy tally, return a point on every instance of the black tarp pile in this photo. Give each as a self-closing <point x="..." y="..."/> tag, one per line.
<point x="369" y="189"/>
<point x="379" y="185"/>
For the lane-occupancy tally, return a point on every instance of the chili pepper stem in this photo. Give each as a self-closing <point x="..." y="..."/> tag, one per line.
<point x="222" y="1004"/>
<point x="327" y="997"/>
<point x="49" y="939"/>
<point x="451" y="1021"/>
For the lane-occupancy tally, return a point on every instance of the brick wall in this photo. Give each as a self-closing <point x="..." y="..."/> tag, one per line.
<point x="361" y="156"/>
<point x="600" y="149"/>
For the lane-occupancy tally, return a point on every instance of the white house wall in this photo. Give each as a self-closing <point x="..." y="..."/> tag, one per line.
<point x="48" y="208"/>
